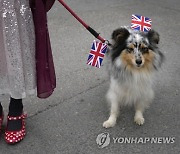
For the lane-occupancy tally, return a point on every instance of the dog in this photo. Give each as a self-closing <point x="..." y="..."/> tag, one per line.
<point x="134" y="58"/>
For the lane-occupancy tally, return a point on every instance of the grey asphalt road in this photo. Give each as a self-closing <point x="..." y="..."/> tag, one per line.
<point x="69" y="121"/>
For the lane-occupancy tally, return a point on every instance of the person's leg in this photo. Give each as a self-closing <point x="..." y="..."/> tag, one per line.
<point x="1" y="116"/>
<point x="1" y="110"/>
<point x="15" y="109"/>
<point x="15" y="130"/>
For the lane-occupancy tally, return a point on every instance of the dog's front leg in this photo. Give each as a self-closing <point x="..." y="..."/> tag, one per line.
<point x="114" y="111"/>
<point x="139" y="109"/>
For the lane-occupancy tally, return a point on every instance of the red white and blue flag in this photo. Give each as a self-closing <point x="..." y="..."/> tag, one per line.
<point x="97" y="53"/>
<point x="141" y="23"/>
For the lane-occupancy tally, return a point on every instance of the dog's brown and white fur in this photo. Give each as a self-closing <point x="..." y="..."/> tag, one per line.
<point x="134" y="58"/>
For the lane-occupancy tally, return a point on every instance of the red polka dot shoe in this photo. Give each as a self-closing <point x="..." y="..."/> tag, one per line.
<point x="13" y="137"/>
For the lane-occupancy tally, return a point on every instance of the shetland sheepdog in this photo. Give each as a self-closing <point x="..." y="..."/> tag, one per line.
<point x="134" y="58"/>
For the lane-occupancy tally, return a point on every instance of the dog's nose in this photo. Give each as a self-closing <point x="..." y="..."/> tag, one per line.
<point x="138" y="61"/>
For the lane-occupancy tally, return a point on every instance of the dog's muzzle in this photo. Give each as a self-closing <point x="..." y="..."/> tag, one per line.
<point x="138" y="62"/>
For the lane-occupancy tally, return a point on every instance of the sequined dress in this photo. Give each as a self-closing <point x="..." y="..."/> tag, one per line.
<point x="17" y="49"/>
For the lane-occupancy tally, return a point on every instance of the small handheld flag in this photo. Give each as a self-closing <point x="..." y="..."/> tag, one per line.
<point x="97" y="53"/>
<point x="141" y="23"/>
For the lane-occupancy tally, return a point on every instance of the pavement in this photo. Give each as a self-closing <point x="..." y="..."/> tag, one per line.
<point x="70" y="120"/>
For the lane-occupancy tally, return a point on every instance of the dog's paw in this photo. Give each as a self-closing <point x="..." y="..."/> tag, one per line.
<point x="109" y="123"/>
<point x="139" y="120"/>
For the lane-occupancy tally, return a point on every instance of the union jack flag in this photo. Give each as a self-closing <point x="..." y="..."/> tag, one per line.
<point x="141" y="23"/>
<point x="97" y="53"/>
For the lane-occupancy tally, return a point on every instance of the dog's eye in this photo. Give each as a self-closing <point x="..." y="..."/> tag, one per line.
<point x="130" y="50"/>
<point x="145" y="49"/>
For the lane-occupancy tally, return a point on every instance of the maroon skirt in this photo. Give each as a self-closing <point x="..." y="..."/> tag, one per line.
<point x="46" y="78"/>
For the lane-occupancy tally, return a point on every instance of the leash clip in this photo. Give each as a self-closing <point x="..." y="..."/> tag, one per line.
<point x="108" y="43"/>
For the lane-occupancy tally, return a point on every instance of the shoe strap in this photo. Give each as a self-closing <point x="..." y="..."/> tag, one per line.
<point x="22" y="116"/>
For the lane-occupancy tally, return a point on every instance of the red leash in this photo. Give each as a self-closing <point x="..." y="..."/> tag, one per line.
<point x="92" y="31"/>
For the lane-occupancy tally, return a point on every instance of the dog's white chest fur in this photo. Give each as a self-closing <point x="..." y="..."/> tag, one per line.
<point x="138" y="87"/>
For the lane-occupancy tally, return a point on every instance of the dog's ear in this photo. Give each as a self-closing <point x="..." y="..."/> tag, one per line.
<point x="120" y="35"/>
<point x="153" y="36"/>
